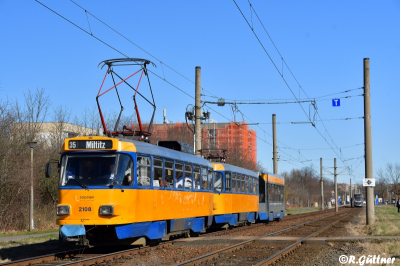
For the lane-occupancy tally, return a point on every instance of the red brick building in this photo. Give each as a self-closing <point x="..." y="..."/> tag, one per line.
<point x="234" y="137"/>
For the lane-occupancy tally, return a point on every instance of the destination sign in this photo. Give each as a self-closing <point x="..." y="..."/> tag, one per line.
<point x="90" y="144"/>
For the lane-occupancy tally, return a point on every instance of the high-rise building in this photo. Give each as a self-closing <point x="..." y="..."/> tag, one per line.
<point x="236" y="138"/>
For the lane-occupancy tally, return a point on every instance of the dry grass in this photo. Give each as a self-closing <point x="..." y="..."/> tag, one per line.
<point x="387" y="221"/>
<point x="29" y="240"/>
<point x="44" y="220"/>
<point x="386" y="224"/>
<point x="36" y="232"/>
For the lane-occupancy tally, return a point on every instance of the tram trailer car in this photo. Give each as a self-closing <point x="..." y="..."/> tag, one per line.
<point x="114" y="189"/>
<point x="235" y="195"/>
<point x="272" y="197"/>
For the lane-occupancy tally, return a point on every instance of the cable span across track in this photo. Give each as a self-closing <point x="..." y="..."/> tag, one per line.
<point x="91" y="256"/>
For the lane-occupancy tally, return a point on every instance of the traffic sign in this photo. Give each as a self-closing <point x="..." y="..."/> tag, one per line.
<point x="368" y="182"/>
<point x="335" y="102"/>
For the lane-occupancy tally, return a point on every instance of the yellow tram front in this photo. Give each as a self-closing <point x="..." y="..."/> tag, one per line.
<point x="112" y="188"/>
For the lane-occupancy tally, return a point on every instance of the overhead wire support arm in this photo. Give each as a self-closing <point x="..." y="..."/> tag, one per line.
<point x="233" y="103"/>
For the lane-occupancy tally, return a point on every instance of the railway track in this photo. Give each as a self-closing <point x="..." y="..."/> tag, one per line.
<point x="100" y="256"/>
<point x="257" y="251"/>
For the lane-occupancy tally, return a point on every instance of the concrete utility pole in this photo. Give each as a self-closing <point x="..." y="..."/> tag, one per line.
<point x="369" y="191"/>
<point x="274" y="144"/>
<point x="31" y="224"/>
<point x="197" y="112"/>
<point x="322" y="188"/>
<point x="336" y="192"/>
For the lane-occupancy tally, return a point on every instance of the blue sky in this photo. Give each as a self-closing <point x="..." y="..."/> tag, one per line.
<point x="322" y="42"/>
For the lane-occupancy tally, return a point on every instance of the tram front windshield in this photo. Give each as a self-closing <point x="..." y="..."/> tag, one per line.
<point x="80" y="170"/>
<point x="358" y="197"/>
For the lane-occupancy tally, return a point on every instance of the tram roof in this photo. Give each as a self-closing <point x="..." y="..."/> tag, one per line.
<point x="273" y="177"/>
<point x="232" y="168"/>
<point x="154" y="150"/>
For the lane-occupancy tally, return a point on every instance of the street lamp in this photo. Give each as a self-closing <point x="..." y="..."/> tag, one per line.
<point x="31" y="226"/>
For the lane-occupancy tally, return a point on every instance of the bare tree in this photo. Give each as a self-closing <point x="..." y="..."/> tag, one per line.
<point x="260" y="167"/>
<point x="391" y="174"/>
<point x="382" y="184"/>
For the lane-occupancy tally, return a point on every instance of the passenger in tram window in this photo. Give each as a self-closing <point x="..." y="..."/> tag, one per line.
<point x="196" y="181"/>
<point x="160" y="181"/>
<point x="127" y="180"/>
<point x="169" y="173"/>
<point x="157" y="180"/>
<point x="169" y="178"/>
<point x="178" y="179"/>
<point x="111" y="171"/>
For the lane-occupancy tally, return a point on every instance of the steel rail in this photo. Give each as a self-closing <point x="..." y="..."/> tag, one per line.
<point x="233" y="247"/>
<point x="279" y="254"/>
<point x="38" y="259"/>
<point x="79" y="252"/>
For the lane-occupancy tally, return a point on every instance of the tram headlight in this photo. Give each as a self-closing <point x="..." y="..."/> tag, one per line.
<point x="62" y="209"/>
<point x="106" y="210"/>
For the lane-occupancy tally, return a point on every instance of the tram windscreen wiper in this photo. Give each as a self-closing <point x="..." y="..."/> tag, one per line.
<point x="81" y="183"/>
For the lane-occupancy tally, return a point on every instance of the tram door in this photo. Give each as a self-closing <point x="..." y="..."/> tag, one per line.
<point x="263" y="191"/>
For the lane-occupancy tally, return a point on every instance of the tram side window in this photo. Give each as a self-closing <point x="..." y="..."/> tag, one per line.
<point x="270" y="192"/>
<point x="238" y="184"/>
<point x="218" y="181"/>
<point x="210" y="178"/>
<point x="169" y="173"/>
<point x="277" y="192"/>
<point x="243" y="183"/>
<point x="196" y="174"/>
<point x="179" y="175"/>
<point x="273" y="192"/>
<point x="188" y="176"/>
<point x="158" y="173"/>
<point x="250" y="184"/>
<point x="124" y="170"/>
<point x="237" y="178"/>
<point x="262" y="191"/>
<point x="204" y="178"/>
<point x="282" y="190"/>
<point x="143" y="171"/>
<point x="227" y="182"/>
<point x="234" y="186"/>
